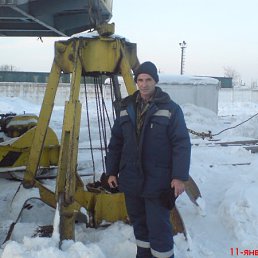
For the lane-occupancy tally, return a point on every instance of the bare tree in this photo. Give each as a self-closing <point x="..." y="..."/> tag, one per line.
<point x="7" y="68"/>
<point x="230" y="72"/>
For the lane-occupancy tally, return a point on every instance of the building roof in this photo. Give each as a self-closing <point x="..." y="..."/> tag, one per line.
<point x="186" y="80"/>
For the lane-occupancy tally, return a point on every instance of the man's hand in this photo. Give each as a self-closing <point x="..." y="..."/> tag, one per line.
<point x="178" y="185"/>
<point x="112" y="181"/>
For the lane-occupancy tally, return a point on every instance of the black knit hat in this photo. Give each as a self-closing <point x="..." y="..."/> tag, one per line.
<point x="148" y="68"/>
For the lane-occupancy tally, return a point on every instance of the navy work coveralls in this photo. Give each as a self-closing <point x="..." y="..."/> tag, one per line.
<point x="146" y="167"/>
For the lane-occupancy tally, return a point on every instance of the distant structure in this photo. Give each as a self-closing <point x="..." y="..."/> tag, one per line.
<point x="225" y="82"/>
<point x="36" y="77"/>
<point x="182" y="46"/>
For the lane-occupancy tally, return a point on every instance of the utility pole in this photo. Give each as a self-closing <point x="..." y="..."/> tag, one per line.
<point x="182" y="46"/>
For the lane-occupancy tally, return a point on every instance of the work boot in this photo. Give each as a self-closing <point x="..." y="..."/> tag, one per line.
<point x="143" y="252"/>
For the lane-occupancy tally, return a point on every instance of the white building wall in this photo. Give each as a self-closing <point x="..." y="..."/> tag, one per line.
<point x="200" y="95"/>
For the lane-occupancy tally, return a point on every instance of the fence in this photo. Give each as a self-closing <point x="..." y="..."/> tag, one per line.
<point x="238" y="95"/>
<point x="34" y="92"/>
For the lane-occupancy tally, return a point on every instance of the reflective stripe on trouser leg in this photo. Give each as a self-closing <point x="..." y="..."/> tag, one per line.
<point x="142" y="244"/>
<point x="136" y="210"/>
<point x="162" y="254"/>
<point x="160" y="228"/>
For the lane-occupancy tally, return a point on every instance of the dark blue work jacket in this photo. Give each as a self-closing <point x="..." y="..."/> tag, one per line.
<point x="146" y="167"/>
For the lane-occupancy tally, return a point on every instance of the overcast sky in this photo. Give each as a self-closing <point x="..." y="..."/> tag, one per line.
<point x="218" y="33"/>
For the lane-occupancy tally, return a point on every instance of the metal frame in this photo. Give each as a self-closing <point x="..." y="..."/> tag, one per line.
<point x="90" y="56"/>
<point x="50" y="18"/>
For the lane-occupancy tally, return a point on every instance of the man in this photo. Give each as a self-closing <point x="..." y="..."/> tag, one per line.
<point x="148" y="155"/>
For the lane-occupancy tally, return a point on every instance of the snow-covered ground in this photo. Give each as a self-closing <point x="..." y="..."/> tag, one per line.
<point x="225" y="223"/>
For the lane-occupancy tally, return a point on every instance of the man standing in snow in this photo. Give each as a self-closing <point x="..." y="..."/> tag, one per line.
<point x="148" y="159"/>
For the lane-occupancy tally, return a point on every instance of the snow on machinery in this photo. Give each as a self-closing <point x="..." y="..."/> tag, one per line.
<point x="95" y="56"/>
<point x="17" y="132"/>
<point x="14" y="126"/>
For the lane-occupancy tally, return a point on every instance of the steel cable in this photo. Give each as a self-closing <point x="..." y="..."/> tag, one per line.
<point x="89" y="130"/>
<point x="204" y="135"/>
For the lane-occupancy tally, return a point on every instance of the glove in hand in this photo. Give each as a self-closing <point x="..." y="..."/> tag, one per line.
<point x="168" y="198"/>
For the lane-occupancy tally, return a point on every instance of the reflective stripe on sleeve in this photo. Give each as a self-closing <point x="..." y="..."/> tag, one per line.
<point x="123" y="113"/>
<point x="163" y="112"/>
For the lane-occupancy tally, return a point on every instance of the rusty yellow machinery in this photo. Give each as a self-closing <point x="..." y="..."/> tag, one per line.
<point x="15" y="152"/>
<point x="18" y="132"/>
<point x="15" y="125"/>
<point x="91" y="56"/>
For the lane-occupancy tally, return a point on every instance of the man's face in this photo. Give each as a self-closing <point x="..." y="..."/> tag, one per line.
<point x="146" y="85"/>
